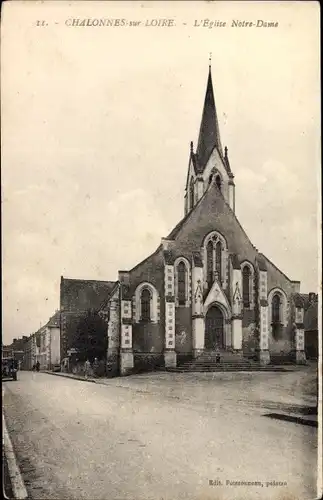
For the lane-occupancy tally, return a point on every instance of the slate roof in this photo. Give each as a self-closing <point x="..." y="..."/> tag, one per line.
<point x="55" y="320"/>
<point x="81" y="295"/>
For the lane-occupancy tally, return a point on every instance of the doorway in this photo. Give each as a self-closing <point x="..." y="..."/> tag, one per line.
<point x="214" y="329"/>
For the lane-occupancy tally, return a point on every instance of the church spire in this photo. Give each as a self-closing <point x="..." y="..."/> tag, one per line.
<point x="209" y="136"/>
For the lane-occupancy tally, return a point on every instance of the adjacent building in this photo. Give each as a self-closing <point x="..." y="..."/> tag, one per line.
<point x="77" y="297"/>
<point x="311" y="325"/>
<point x="42" y="346"/>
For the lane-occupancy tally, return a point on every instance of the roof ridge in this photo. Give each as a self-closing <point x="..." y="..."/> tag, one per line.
<point x="88" y="281"/>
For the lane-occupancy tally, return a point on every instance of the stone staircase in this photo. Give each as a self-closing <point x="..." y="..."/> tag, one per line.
<point x="229" y="362"/>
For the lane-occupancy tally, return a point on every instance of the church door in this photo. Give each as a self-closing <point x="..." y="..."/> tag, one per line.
<point x="214" y="330"/>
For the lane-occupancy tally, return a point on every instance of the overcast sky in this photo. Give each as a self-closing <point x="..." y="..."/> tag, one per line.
<point x="96" y="130"/>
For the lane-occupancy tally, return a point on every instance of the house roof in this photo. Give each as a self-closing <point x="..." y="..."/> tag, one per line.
<point x="54" y="321"/>
<point x="81" y="295"/>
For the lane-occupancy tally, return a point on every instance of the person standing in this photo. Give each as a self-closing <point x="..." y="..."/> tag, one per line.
<point x="87" y="367"/>
<point x="37" y="366"/>
<point x="96" y="367"/>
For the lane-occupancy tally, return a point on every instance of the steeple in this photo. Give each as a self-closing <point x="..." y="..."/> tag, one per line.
<point x="209" y="163"/>
<point x="209" y="136"/>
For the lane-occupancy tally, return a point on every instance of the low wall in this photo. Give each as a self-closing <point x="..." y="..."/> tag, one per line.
<point x="145" y="362"/>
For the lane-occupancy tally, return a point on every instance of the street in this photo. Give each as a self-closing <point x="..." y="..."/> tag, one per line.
<point x="161" y="436"/>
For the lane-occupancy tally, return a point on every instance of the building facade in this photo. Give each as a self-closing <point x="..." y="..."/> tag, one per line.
<point x="77" y="297"/>
<point x="206" y="287"/>
<point x="311" y="328"/>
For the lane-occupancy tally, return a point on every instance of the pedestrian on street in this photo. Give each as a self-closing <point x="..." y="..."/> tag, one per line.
<point x="96" y="366"/>
<point x="37" y="366"/>
<point x="87" y="367"/>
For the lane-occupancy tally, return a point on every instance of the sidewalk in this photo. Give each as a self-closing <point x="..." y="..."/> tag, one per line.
<point x="14" y="486"/>
<point x="7" y="488"/>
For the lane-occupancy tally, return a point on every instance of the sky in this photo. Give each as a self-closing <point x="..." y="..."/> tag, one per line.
<point x="96" y="127"/>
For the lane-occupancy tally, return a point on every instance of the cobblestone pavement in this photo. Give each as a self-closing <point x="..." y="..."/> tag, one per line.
<point x="161" y="436"/>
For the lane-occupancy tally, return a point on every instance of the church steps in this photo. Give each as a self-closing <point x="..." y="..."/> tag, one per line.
<point x="226" y="367"/>
<point x="229" y="362"/>
<point x="259" y="368"/>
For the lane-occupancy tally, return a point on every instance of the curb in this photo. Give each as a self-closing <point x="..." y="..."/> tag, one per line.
<point x="73" y="377"/>
<point x="17" y="482"/>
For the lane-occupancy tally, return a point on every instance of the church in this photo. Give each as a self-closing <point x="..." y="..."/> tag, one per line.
<point x="206" y="288"/>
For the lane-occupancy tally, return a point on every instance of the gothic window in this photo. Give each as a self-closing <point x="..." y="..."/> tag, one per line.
<point x="218" y="182"/>
<point x="246" y="275"/>
<point x="215" y="259"/>
<point x="275" y="311"/>
<point x="218" y="260"/>
<point x="276" y="315"/>
<point x="192" y="193"/>
<point x="181" y="283"/>
<point x="209" y="263"/>
<point x="145" y="305"/>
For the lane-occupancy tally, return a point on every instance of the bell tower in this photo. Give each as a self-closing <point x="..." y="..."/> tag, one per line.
<point x="209" y="164"/>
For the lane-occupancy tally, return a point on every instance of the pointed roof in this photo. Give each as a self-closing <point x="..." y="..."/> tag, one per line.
<point x="209" y="136"/>
<point x="54" y="321"/>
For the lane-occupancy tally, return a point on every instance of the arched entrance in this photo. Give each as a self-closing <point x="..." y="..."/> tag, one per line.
<point x="214" y="328"/>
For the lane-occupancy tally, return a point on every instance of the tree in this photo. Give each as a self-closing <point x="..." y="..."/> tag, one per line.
<point x="91" y="337"/>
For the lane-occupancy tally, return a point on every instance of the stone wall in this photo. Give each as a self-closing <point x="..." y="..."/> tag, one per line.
<point x="148" y="338"/>
<point x="183" y="330"/>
